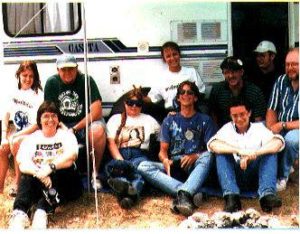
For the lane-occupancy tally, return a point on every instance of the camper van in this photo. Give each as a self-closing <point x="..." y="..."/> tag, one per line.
<point x="118" y="42"/>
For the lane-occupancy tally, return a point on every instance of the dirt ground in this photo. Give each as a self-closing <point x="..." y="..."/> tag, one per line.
<point x="152" y="211"/>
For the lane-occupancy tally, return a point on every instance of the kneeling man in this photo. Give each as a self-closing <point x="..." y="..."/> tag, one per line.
<point x="246" y="159"/>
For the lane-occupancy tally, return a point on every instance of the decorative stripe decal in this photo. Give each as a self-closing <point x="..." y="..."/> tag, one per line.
<point x="97" y="46"/>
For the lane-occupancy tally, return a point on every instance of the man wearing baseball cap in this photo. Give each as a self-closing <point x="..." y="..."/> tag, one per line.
<point x="234" y="87"/>
<point x="265" y="71"/>
<point x="67" y="90"/>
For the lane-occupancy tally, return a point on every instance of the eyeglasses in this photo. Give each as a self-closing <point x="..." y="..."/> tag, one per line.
<point x="137" y="103"/>
<point x="188" y="92"/>
<point x="48" y="116"/>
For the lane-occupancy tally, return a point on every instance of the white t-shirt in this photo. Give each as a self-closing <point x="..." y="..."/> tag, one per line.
<point x="43" y="150"/>
<point x="256" y="136"/>
<point x="135" y="133"/>
<point x="23" y="105"/>
<point x="169" y="83"/>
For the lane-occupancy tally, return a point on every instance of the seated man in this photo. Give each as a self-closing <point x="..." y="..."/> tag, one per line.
<point x="246" y="159"/>
<point x="183" y="140"/>
<point x="235" y="87"/>
<point x="283" y="115"/>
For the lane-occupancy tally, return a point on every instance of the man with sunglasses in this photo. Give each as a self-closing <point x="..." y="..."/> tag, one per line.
<point x="185" y="161"/>
<point x="235" y="87"/>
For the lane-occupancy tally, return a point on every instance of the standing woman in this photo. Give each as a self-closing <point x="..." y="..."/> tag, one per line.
<point x="22" y="107"/>
<point x="128" y="143"/>
<point x="172" y="77"/>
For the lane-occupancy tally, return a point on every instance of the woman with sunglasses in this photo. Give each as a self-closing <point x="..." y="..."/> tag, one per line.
<point x="128" y="136"/>
<point x="172" y="77"/>
<point x="21" y="108"/>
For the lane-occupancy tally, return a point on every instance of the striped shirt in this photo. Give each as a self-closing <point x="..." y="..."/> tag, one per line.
<point x="284" y="100"/>
<point x="221" y="97"/>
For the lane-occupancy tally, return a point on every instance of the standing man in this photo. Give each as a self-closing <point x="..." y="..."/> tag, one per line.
<point x="283" y="116"/>
<point x="246" y="159"/>
<point x="235" y="87"/>
<point x="265" y="73"/>
<point x="67" y="90"/>
<point x="183" y="152"/>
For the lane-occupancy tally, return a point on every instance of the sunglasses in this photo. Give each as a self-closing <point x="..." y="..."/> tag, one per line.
<point x="188" y="92"/>
<point x="137" y="103"/>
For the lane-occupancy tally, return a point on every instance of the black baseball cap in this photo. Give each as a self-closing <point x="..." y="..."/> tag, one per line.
<point x="232" y="63"/>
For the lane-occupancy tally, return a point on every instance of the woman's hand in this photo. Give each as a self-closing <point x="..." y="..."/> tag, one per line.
<point x="43" y="172"/>
<point x="46" y="181"/>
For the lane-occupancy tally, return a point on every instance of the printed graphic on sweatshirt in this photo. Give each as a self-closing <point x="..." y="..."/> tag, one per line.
<point x="69" y="104"/>
<point x="21" y="120"/>
<point x="132" y="137"/>
<point x="46" y="153"/>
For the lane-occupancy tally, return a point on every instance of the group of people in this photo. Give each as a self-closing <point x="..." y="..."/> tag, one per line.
<point x="251" y="144"/>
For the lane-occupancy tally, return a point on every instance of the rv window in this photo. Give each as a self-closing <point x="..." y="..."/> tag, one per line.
<point x="39" y="19"/>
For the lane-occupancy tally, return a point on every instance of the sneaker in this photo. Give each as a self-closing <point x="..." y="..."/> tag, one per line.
<point x="96" y="185"/>
<point x="185" y="205"/>
<point x="198" y="199"/>
<point x="174" y="206"/>
<point x="281" y="185"/>
<point x="232" y="203"/>
<point x="127" y="203"/>
<point x="19" y="220"/>
<point x="269" y="202"/>
<point x="121" y="186"/>
<point x="40" y="219"/>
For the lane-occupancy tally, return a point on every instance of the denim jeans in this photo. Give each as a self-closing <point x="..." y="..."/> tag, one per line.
<point x="289" y="154"/>
<point x="155" y="174"/>
<point x="260" y="174"/>
<point x="126" y="169"/>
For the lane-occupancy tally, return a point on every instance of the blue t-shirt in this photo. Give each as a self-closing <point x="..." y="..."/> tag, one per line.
<point x="187" y="135"/>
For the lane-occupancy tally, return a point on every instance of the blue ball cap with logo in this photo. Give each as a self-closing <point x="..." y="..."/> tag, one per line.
<point x="66" y="60"/>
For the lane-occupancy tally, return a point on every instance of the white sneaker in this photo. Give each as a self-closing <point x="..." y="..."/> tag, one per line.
<point x="40" y="219"/>
<point x="19" y="220"/>
<point x="281" y="185"/>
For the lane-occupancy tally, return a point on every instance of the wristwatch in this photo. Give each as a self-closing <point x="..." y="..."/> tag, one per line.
<point x="283" y="125"/>
<point x="52" y="167"/>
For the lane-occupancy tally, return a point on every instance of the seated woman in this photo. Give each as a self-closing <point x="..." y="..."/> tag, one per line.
<point x="21" y="107"/>
<point x="128" y="142"/>
<point x="49" y="176"/>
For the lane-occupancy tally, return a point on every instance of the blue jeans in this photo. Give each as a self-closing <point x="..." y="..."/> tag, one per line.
<point x="126" y="169"/>
<point x="289" y="154"/>
<point x="260" y="174"/>
<point x="155" y="174"/>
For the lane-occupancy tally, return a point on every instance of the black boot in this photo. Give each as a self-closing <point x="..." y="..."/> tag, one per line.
<point x="268" y="202"/>
<point x="232" y="203"/>
<point x="185" y="204"/>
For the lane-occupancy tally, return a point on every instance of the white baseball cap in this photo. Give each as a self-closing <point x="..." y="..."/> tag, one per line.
<point x="265" y="46"/>
<point x="66" y="60"/>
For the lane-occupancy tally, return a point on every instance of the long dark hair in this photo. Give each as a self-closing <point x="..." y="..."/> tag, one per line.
<point x="137" y="93"/>
<point x="30" y="65"/>
<point x="46" y="106"/>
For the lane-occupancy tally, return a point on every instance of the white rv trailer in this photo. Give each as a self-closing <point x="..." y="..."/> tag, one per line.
<point x="124" y="37"/>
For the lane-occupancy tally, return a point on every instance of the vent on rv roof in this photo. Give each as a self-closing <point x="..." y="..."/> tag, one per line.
<point x="187" y="32"/>
<point x="199" y="32"/>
